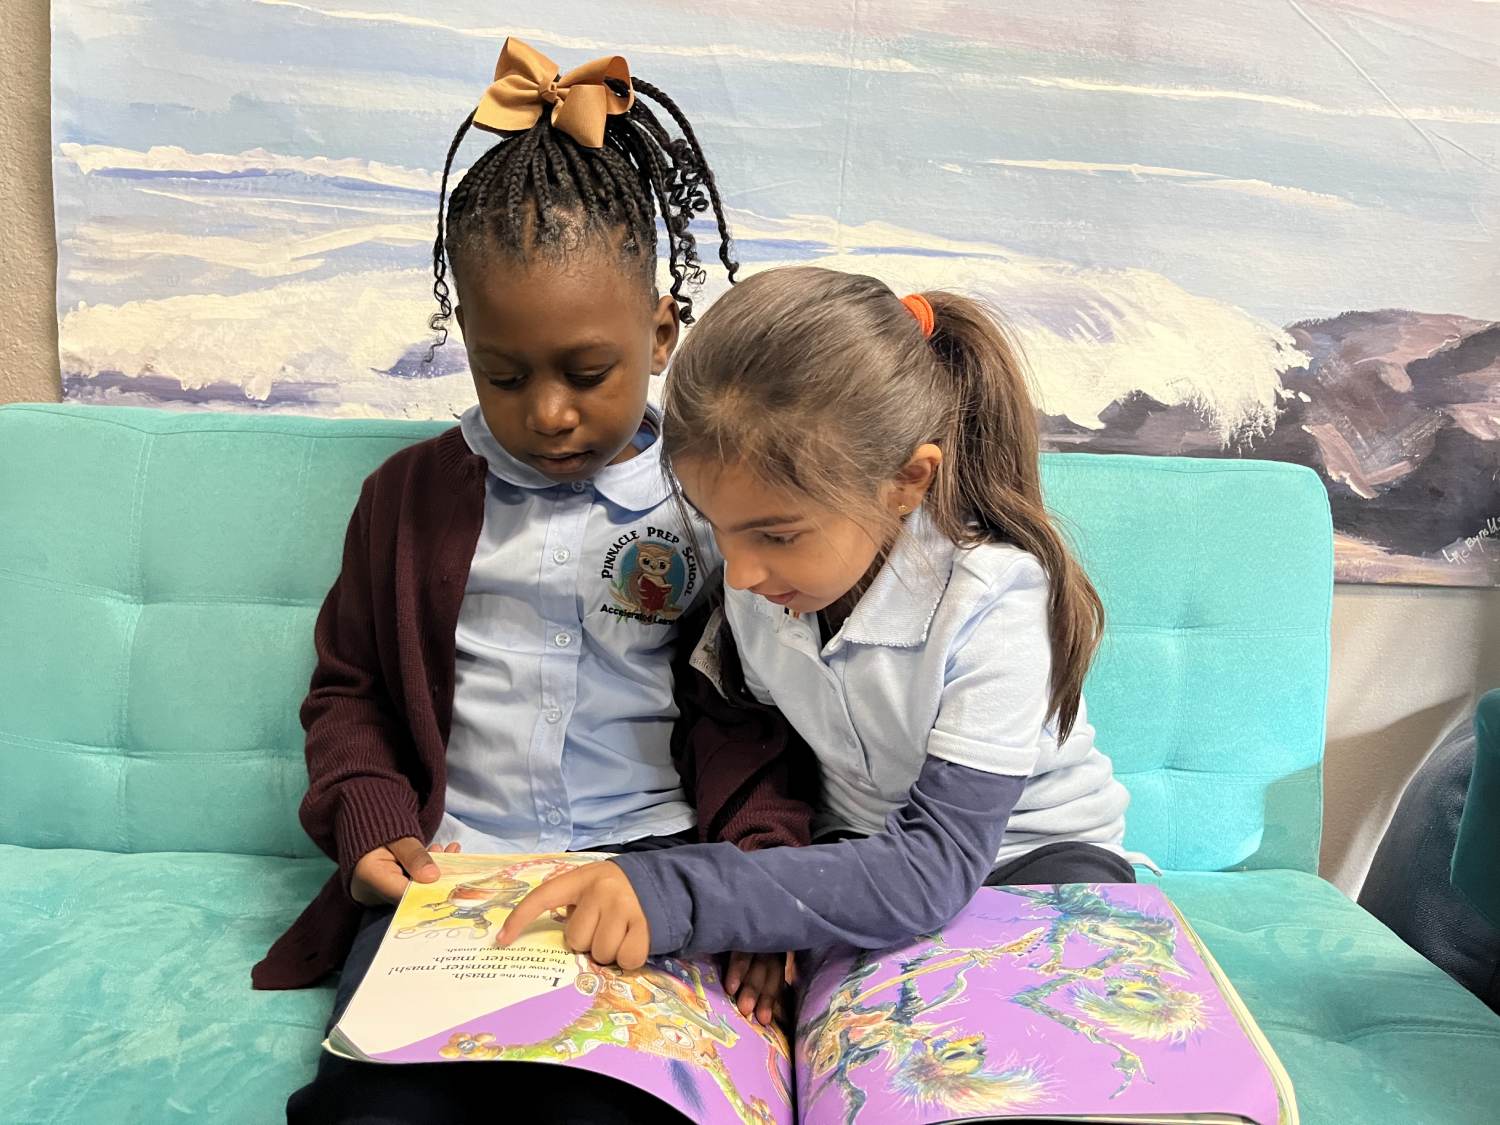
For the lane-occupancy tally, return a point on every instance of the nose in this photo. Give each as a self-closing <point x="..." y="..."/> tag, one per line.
<point x="742" y="569"/>
<point x="551" y="410"/>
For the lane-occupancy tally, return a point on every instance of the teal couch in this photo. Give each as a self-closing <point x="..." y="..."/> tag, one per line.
<point x="159" y="576"/>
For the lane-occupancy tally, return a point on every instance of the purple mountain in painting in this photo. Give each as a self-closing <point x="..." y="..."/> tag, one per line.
<point x="1398" y="411"/>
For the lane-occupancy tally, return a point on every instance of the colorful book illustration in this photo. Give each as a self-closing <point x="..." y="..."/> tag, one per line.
<point x="1087" y="1003"/>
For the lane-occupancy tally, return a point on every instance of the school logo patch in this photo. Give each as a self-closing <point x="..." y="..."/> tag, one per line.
<point x="651" y="576"/>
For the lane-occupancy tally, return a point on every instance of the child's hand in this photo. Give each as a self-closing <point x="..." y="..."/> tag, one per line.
<point x="381" y="875"/>
<point x="756" y="982"/>
<point x="605" y="920"/>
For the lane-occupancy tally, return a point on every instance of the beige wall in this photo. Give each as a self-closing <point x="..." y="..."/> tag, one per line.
<point x="1407" y="662"/>
<point x="28" y="257"/>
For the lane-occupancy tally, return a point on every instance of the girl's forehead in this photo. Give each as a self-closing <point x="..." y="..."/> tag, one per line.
<point x="727" y="494"/>
<point x="552" y="306"/>
<point x="570" y="281"/>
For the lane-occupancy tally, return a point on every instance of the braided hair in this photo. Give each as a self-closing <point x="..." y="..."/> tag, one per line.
<point x="540" y="189"/>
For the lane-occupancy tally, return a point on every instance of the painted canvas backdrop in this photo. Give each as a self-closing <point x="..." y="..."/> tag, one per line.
<point x="1265" y="227"/>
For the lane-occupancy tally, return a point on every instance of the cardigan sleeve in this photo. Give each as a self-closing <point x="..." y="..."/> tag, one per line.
<point x="358" y="796"/>
<point x="751" y="777"/>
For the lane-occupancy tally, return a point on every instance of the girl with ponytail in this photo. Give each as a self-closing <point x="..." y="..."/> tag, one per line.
<point x="895" y="585"/>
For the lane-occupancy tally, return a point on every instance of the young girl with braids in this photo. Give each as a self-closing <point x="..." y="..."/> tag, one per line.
<point x="896" y="587"/>
<point x="490" y="674"/>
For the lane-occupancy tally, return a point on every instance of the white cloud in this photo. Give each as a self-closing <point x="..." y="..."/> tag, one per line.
<point x="1280" y="192"/>
<point x="270" y="206"/>
<point x="92" y="159"/>
<point x="1455" y="115"/>
<point x="534" y="35"/>
<point x="269" y="257"/>
<point x="99" y="19"/>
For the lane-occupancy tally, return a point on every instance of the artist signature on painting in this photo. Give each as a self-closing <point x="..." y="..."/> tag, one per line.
<point x="1475" y="542"/>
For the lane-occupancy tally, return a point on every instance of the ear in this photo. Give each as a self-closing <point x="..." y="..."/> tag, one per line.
<point x="910" y="485"/>
<point x="665" y="329"/>
<point x="458" y="315"/>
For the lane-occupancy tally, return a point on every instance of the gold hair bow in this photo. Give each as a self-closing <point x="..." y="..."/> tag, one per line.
<point x="526" y="80"/>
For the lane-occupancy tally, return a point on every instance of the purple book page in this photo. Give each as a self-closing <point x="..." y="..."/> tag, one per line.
<point x="668" y="1029"/>
<point x="439" y="990"/>
<point x="1035" y="1002"/>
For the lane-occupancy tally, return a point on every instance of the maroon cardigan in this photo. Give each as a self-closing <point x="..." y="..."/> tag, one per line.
<point x="378" y="711"/>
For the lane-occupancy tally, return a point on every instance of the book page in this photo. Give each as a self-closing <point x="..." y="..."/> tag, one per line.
<point x="1073" y="1002"/>
<point x="438" y="990"/>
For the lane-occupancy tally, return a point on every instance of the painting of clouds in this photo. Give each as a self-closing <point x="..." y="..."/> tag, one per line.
<point x="1265" y="228"/>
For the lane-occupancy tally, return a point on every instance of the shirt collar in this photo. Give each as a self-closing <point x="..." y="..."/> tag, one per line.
<point x="637" y="485"/>
<point x="898" y="608"/>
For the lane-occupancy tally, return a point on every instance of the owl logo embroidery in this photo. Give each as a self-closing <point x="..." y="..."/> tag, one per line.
<point x="650" y="582"/>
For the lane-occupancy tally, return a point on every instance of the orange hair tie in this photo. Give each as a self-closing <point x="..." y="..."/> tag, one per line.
<point x="921" y="309"/>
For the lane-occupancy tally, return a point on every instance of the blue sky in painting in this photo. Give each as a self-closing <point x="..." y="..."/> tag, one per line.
<point x="1116" y="174"/>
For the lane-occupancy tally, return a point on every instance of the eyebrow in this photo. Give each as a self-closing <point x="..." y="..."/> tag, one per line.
<point x="763" y="521"/>
<point x="748" y="525"/>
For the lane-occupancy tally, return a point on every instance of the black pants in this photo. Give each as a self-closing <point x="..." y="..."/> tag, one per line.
<point x="360" y="1093"/>
<point x="1065" y="862"/>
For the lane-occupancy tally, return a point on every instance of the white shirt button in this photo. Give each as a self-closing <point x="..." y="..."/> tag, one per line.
<point x="579" y="486"/>
<point x="561" y="555"/>
<point x="554" y="716"/>
<point x="563" y="640"/>
<point x="554" y="817"/>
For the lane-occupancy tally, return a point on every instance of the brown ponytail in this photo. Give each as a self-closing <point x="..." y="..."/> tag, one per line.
<point x="989" y="484"/>
<point x="824" y="383"/>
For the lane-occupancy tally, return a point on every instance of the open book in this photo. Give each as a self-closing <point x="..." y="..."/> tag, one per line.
<point x="1070" y="1003"/>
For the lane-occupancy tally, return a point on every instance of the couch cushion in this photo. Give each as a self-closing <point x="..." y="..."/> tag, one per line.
<point x="127" y="987"/>
<point x="1209" y="687"/>
<point x="159" y="578"/>
<point x="1369" y="1031"/>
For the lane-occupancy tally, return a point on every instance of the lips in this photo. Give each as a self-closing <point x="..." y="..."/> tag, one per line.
<point x="781" y="599"/>
<point x="562" y="463"/>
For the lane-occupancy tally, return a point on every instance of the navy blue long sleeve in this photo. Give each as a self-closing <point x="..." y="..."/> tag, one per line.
<point x="911" y="879"/>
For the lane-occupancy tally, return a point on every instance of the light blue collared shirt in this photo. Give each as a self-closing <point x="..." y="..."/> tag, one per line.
<point x="947" y="654"/>
<point x="562" y="707"/>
